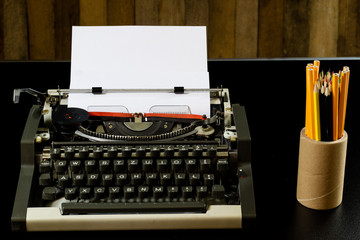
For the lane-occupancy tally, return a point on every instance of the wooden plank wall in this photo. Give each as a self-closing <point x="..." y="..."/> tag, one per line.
<point x="41" y="29"/>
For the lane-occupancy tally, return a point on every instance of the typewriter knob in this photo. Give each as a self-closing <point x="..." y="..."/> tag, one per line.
<point x="68" y="120"/>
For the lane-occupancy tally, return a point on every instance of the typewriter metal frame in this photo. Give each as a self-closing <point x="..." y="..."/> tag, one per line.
<point x="27" y="218"/>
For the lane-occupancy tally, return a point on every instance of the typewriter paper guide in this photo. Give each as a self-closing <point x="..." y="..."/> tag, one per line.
<point x="139" y="57"/>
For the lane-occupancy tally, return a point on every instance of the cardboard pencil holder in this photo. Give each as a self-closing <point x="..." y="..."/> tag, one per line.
<point x="321" y="172"/>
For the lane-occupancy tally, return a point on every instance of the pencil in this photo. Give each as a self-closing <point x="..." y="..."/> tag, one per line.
<point x="344" y="86"/>
<point x="325" y="102"/>
<point x="328" y="115"/>
<point x="317" y="63"/>
<point x="323" y="120"/>
<point x="309" y="103"/>
<point x="335" y="103"/>
<point x="316" y="114"/>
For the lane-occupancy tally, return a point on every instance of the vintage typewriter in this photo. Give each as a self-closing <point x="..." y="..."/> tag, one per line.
<point x="85" y="170"/>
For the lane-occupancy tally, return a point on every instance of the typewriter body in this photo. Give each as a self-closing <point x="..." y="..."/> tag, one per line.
<point x="109" y="171"/>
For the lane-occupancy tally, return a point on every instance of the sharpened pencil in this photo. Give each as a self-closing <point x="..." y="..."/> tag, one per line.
<point x="309" y="129"/>
<point x="326" y="101"/>
<point x="335" y="98"/>
<point x="344" y="87"/>
<point x="316" y="114"/>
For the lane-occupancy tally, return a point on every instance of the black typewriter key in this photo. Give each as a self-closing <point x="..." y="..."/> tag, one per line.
<point x="107" y="179"/>
<point x="90" y="166"/>
<point x="84" y="193"/>
<point x="44" y="166"/>
<point x="129" y="192"/>
<point x="75" y="166"/>
<point x="136" y="179"/>
<point x="143" y="192"/>
<point x="78" y="180"/>
<point x="197" y="151"/>
<point x="151" y="179"/>
<point x="83" y="152"/>
<point x="50" y="193"/>
<point x="190" y="165"/>
<point x="70" y="193"/>
<point x="112" y="152"/>
<point x="69" y="152"/>
<point x="208" y="179"/>
<point x="154" y="151"/>
<point x="133" y="165"/>
<point x="140" y="151"/>
<point x="158" y="192"/>
<point x="104" y="165"/>
<point x="187" y="192"/>
<point x="55" y="153"/>
<point x="169" y="151"/>
<point x="121" y="179"/>
<point x="45" y="179"/>
<point x="114" y="192"/>
<point x="98" y="152"/>
<point x="205" y="165"/>
<point x="161" y="165"/>
<point x="63" y="180"/>
<point x="217" y="191"/>
<point x="194" y="179"/>
<point x="180" y="179"/>
<point x="201" y="192"/>
<point x="147" y="165"/>
<point x="165" y="179"/>
<point x="176" y="165"/>
<point x="183" y="150"/>
<point x="92" y="179"/>
<point x="126" y="151"/>
<point x="172" y="192"/>
<point x="222" y="165"/>
<point x="211" y="151"/>
<point x="61" y="166"/>
<point x="119" y="165"/>
<point x="99" y="192"/>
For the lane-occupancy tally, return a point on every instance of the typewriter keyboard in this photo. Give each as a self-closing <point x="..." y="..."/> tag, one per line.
<point x="110" y="178"/>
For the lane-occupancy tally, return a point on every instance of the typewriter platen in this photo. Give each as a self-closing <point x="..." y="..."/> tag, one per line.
<point x="120" y="171"/>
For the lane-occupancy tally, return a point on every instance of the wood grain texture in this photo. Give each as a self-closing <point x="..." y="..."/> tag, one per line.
<point x="296" y="28"/>
<point x="41" y="24"/>
<point x="196" y="12"/>
<point x="41" y="29"/>
<point x="147" y="12"/>
<point x="172" y="12"/>
<point x="15" y="37"/>
<point x="93" y="12"/>
<point x="121" y="12"/>
<point x="349" y="28"/>
<point x="221" y="29"/>
<point x="270" y="28"/>
<point x="323" y="17"/>
<point x="1" y="30"/>
<point x="66" y="16"/>
<point x="246" y="28"/>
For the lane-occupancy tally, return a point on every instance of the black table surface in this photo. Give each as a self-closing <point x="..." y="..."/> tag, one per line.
<point x="273" y="93"/>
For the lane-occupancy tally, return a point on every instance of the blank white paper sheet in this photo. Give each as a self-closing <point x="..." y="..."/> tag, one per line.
<point x="139" y="57"/>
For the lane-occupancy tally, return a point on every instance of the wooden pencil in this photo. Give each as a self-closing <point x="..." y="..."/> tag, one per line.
<point x="335" y="103"/>
<point x="316" y="114"/>
<point x="344" y="87"/>
<point x="309" y="103"/>
<point x="323" y="120"/>
<point x="326" y="116"/>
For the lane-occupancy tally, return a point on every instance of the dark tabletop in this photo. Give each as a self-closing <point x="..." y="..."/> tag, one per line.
<point x="273" y="93"/>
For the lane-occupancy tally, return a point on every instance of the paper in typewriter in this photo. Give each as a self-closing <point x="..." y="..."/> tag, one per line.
<point x="140" y="57"/>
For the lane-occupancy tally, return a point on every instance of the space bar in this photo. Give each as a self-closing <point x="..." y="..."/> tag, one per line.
<point x="158" y="207"/>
